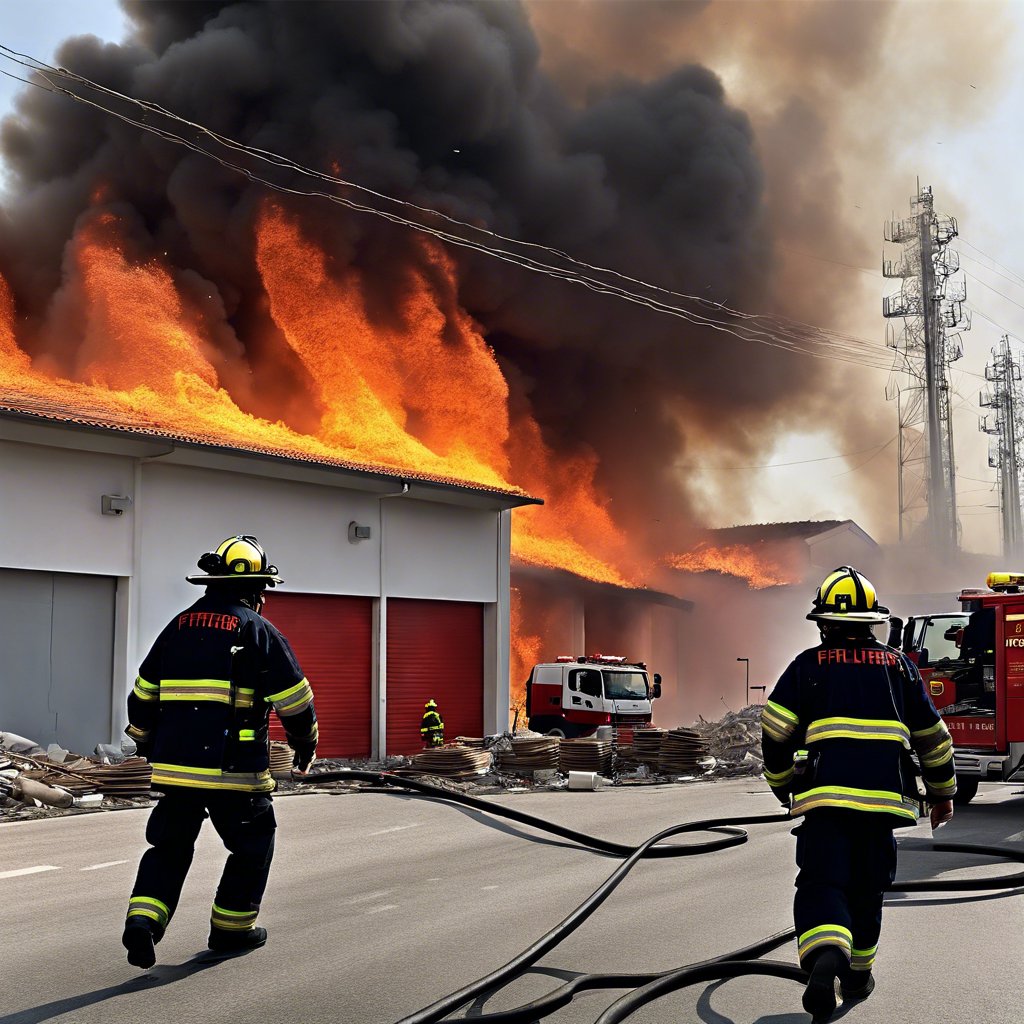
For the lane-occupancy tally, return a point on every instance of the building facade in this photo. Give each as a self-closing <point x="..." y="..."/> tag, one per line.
<point x="396" y="587"/>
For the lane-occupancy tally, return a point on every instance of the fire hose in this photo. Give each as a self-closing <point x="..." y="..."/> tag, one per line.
<point x="645" y="987"/>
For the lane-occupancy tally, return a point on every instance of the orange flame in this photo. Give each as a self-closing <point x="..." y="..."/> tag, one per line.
<point x="739" y="560"/>
<point x="526" y="651"/>
<point x="421" y="393"/>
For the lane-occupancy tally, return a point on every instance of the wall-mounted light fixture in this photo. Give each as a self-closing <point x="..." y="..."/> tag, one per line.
<point x="356" y="532"/>
<point x="115" y="504"/>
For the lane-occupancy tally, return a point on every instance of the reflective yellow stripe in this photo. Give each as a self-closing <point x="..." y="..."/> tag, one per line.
<point x="825" y="935"/>
<point x="933" y="745"/>
<point x="863" y="959"/>
<point x="943" y="790"/>
<point x="147" y="906"/>
<point x="778" y="722"/>
<point x="938" y="727"/>
<point x="855" y="799"/>
<point x="776" y="779"/>
<point x="233" y="920"/>
<point x="145" y="690"/>
<point x="247" y="734"/>
<point x="136" y="733"/>
<point x="293" y="700"/>
<point x="940" y="754"/>
<point x="858" y="729"/>
<point x="211" y="778"/>
<point x="244" y="698"/>
<point x="216" y="690"/>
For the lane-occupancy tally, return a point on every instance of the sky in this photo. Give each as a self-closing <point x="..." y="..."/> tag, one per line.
<point x="946" y="115"/>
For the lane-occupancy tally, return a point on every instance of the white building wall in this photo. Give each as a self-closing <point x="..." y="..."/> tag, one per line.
<point x="50" y="519"/>
<point x="436" y="551"/>
<point x="50" y="510"/>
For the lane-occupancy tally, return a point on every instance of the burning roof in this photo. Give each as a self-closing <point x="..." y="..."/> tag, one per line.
<point x="30" y="408"/>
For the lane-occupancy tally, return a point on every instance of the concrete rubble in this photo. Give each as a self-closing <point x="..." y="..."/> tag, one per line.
<point x="37" y="782"/>
<point x="734" y="742"/>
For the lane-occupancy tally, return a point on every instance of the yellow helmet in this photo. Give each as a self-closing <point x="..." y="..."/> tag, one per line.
<point x="237" y="559"/>
<point x="431" y="703"/>
<point x="847" y="596"/>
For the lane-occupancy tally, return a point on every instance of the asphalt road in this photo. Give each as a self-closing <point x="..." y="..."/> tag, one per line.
<point x="379" y="904"/>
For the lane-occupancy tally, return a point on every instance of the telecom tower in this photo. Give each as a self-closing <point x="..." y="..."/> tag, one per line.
<point x="1005" y="399"/>
<point x="931" y="307"/>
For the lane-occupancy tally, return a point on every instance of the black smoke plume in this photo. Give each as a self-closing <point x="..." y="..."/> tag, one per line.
<point x="444" y="104"/>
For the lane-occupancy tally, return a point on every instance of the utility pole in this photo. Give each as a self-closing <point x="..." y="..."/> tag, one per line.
<point x="931" y="306"/>
<point x="747" y="666"/>
<point x="1005" y="399"/>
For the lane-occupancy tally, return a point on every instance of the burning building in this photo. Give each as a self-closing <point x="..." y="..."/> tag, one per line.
<point x="153" y="290"/>
<point x="752" y="587"/>
<point x="396" y="586"/>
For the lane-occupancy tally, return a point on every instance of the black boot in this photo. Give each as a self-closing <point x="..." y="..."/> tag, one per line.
<point x="237" y="942"/>
<point x="858" y="985"/>
<point x="820" y="995"/>
<point x="139" y="940"/>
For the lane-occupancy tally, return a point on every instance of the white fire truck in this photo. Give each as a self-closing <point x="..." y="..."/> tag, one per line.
<point x="572" y="697"/>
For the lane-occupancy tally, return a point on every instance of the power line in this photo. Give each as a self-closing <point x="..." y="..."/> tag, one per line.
<point x="866" y="461"/>
<point x="992" y="259"/>
<point x="769" y="329"/>
<point x="800" y="462"/>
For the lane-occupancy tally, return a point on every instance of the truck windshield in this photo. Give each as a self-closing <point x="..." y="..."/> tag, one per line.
<point x="625" y="685"/>
<point x="935" y="641"/>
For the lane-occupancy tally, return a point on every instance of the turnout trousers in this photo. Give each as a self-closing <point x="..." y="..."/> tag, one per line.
<point x="245" y="823"/>
<point x="847" y="859"/>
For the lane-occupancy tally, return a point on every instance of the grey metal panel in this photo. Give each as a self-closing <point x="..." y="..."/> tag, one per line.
<point x="56" y="665"/>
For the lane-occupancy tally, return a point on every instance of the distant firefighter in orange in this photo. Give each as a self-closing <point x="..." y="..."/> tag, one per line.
<point x="432" y="727"/>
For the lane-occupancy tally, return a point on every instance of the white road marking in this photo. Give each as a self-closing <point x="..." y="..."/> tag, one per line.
<point x="395" y="828"/>
<point x="484" y="887"/>
<point x="105" y="864"/>
<point x="386" y="906"/>
<point x="366" y="897"/>
<point x="29" y="871"/>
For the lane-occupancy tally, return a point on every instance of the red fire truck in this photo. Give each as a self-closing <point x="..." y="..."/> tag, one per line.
<point x="980" y="692"/>
<point x="928" y="641"/>
<point x="571" y="697"/>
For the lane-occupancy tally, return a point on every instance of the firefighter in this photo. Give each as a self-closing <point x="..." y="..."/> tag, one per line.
<point x="836" y="735"/>
<point x="432" y="728"/>
<point x="200" y="712"/>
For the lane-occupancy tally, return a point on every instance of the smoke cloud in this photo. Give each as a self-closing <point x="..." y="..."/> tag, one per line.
<point x="446" y="105"/>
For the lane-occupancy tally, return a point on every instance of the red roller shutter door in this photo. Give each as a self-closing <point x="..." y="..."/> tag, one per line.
<point x="435" y="649"/>
<point x="331" y="637"/>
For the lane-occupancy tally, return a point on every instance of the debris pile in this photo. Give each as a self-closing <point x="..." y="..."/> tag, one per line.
<point x="530" y="754"/>
<point x="647" y="746"/>
<point x="39" y="783"/>
<point x="682" y="752"/>
<point x="81" y="776"/>
<point x="585" y="755"/>
<point x="734" y="742"/>
<point x="453" y="761"/>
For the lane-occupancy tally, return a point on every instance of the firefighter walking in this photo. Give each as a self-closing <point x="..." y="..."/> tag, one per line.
<point x="836" y="735"/>
<point x="200" y="713"/>
<point x="431" y="727"/>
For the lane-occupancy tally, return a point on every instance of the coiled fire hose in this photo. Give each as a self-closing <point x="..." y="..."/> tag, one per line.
<point x="646" y="987"/>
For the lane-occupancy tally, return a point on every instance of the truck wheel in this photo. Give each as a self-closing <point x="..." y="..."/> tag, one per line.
<point x="966" y="789"/>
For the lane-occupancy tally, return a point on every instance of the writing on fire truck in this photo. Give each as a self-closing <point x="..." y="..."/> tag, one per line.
<point x="573" y="696"/>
